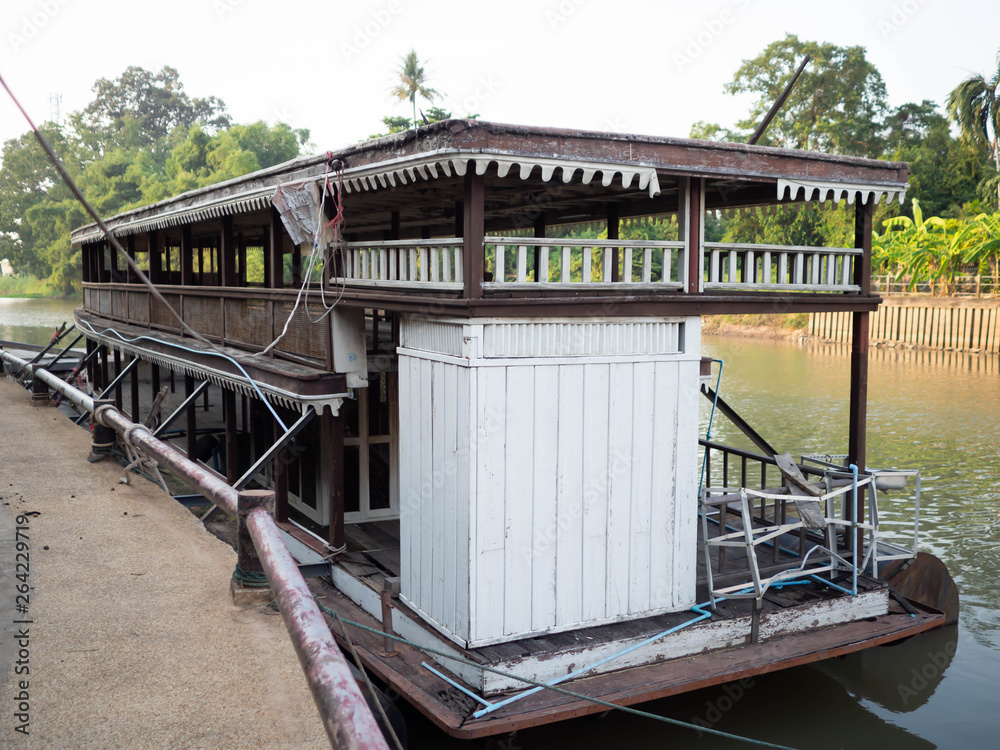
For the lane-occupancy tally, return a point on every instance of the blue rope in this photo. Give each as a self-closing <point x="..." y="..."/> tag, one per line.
<point x="535" y="683"/>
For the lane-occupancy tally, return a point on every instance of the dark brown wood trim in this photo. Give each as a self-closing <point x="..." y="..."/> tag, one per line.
<point x="474" y="256"/>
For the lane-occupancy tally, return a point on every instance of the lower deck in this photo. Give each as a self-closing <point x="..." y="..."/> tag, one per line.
<point x="633" y="662"/>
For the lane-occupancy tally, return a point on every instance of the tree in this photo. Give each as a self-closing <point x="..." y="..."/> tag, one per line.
<point x="413" y="81"/>
<point x="838" y="104"/>
<point x="139" y="109"/>
<point x="975" y="107"/>
<point x="944" y="171"/>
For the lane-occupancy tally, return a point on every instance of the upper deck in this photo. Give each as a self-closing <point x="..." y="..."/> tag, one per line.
<point x="469" y="219"/>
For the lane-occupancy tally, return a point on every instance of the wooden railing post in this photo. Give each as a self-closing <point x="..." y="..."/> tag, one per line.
<point x="473" y="230"/>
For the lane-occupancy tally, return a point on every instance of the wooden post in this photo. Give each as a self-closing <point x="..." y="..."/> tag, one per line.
<point x="130" y="276"/>
<point x="154" y="371"/>
<point x="227" y="250"/>
<point x="473" y="226"/>
<point x="155" y="259"/>
<point x="281" y="462"/>
<point x="192" y="420"/>
<point x="614" y="222"/>
<point x="693" y="226"/>
<point x="135" y="393"/>
<point x="187" y="257"/>
<point x="297" y="266"/>
<point x="539" y="232"/>
<point x="91" y="366"/>
<point x="246" y="554"/>
<point x="241" y="251"/>
<point x="858" y="407"/>
<point x="118" y="371"/>
<point x="102" y="374"/>
<point x="229" y="410"/>
<point x="332" y="439"/>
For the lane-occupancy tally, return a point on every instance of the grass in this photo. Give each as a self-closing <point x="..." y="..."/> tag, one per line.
<point x="25" y="286"/>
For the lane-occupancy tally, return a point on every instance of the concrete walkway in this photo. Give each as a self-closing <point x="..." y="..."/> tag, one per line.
<point x="134" y="640"/>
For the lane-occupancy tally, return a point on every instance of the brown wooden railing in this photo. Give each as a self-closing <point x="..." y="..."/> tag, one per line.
<point x="242" y="317"/>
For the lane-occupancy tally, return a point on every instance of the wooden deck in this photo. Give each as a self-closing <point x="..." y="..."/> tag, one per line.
<point x="709" y="653"/>
<point x="451" y="710"/>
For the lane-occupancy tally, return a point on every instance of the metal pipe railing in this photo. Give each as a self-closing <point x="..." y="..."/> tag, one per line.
<point x="345" y="714"/>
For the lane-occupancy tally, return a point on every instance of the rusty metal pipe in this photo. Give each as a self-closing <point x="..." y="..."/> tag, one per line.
<point x="54" y="382"/>
<point x="191" y="473"/>
<point x="348" y="721"/>
<point x="347" y="718"/>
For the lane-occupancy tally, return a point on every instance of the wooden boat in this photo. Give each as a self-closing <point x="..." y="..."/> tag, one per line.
<point x="483" y="431"/>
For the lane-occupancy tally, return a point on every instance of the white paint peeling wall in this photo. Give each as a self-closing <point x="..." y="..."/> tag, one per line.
<point x="548" y="475"/>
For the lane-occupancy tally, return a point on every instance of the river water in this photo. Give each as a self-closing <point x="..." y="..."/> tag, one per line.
<point x="937" y="412"/>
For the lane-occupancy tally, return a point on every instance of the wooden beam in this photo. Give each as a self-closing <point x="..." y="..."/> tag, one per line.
<point x="473" y="212"/>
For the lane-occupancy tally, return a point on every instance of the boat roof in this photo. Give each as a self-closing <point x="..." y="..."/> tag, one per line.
<point x="448" y="148"/>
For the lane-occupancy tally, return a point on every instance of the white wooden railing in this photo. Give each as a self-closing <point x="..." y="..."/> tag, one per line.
<point x="746" y="267"/>
<point x="551" y="261"/>
<point x="429" y="264"/>
<point x="555" y="263"/>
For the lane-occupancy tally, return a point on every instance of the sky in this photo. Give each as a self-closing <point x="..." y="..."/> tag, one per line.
<point x="626" y="66"/>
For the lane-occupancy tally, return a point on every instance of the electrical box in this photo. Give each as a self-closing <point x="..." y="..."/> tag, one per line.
<point x="350" y="356"/>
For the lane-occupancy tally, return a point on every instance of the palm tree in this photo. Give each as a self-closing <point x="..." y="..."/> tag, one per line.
<point x="975" y="106"/>
<point x="412" y="80"/>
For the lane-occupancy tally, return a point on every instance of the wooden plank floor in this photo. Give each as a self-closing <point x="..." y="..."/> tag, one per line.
<point x="375" y="554"/>
<point x="451" y="710"/>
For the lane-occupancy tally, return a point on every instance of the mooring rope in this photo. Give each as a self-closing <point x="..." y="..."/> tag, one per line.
<point x="535" y="683"/>
<point x="250" y="579"/>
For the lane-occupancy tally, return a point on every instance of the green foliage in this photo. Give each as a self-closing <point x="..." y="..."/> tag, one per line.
<point x="937" y="249"/>
<point x="140" y="141"/>
<point x="25" y="285"/>
<point x="975" y="106"/>
<point x="837" y="106"/>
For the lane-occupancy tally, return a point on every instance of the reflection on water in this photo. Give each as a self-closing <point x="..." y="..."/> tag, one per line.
<point x="33" y="321"/>
<point x="934" y="411"/>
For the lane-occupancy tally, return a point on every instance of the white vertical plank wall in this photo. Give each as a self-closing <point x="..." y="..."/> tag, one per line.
<point x="548" y="472"/>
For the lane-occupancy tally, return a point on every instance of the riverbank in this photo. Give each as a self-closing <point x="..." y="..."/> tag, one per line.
<point x="774" y="327"/>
